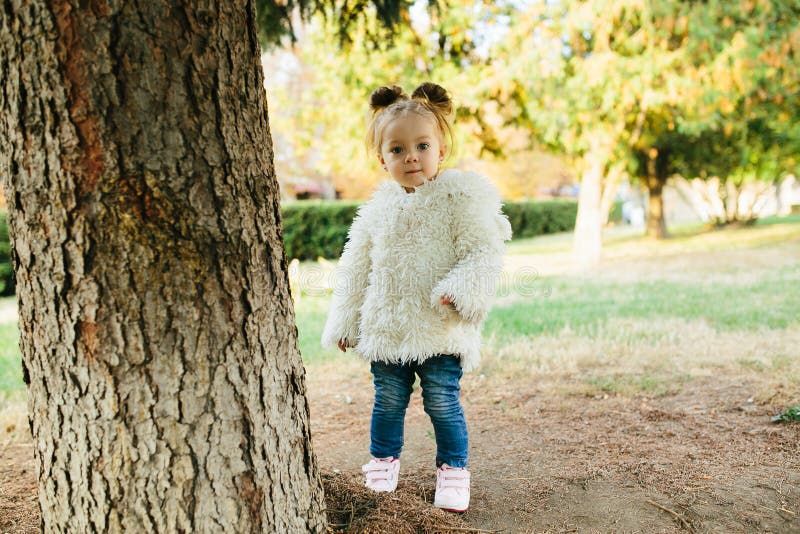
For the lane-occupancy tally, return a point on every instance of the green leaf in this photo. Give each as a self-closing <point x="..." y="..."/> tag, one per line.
<point x="792" y="414"/>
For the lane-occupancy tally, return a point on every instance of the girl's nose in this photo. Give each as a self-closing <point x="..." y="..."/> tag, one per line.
<point x="412" y="156"/>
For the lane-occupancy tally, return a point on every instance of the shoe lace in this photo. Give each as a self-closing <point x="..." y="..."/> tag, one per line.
<point x="453" y="478"/>
<point x="377" y="470"/>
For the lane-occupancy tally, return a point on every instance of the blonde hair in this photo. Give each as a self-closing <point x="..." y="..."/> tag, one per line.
<point x="429" y="100"/>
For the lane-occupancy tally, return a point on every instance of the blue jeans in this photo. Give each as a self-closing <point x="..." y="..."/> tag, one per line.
<point x="439" y="376"/>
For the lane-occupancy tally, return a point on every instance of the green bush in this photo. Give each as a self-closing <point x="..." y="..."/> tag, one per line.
<point x="316" y="228"/>
<point x="530" y="218"/>
<point x="6" y="269"/>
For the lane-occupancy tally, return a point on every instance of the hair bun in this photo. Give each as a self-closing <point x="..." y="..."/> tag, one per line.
<point x="385" y="96"/>
<point x="436" y="96"/>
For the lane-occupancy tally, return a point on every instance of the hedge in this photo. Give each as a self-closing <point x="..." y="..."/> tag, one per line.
<point x="532" y="218"/>
<point x="316" y="228"/>
<point x="319" y="228"/>
<point x="6" y="269"/>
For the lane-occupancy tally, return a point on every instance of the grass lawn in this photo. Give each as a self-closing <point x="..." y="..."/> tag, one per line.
<point x="11" y="385"/>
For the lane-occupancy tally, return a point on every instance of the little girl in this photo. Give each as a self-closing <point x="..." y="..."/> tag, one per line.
<point x="414" y="283"/>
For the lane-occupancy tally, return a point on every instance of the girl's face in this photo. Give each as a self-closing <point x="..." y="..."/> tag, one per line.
<point x="411" y="149"/>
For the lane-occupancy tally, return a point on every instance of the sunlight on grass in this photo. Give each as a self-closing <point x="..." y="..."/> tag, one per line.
<point x="656" y="386"/>
<point x="626" y="241"/>
<point x="584" y="305"/>
<point x="629" y="357"/>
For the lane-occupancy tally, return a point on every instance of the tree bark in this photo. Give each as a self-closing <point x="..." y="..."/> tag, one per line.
<point x="656" y="180"/>
<point x="165" y="387"/>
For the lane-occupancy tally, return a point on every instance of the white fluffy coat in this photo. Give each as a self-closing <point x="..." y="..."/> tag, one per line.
<point x="404" y="252"/>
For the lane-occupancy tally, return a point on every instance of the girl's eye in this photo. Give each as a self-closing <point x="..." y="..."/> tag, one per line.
<point x="395" y="150"/>
<point x="424" y="146"/>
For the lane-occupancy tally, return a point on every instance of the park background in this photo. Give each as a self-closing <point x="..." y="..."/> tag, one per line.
<point x="633" y="362"/>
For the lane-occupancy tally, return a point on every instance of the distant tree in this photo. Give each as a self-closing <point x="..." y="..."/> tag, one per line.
<point x="625" y="88"/>
<point x="594" y="75"/>
<point x="758" y="157"/>
<point x="744" y="128"/>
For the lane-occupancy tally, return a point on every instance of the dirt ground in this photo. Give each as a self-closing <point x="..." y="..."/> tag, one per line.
<point x="702" y="459"/>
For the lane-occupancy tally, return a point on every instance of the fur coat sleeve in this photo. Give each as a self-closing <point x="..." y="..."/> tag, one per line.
<point x="479" y="230"/>
<point x="350" y="283"/>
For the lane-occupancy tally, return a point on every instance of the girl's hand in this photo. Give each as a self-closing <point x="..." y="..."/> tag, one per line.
<point x="344" y="344"/>
<point x="446" y="300"/>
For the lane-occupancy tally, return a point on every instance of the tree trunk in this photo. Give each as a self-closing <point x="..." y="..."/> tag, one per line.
<point x="588" y="240"/>
<point x="656" y="180"/>
<point x="731" y="200"/>
<point x="783" y="195"/>
<point x="165" y="388"/>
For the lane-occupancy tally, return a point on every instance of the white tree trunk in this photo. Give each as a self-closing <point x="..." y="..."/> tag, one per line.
<point x="783" y="195"/>
<point x="588" y="239"/>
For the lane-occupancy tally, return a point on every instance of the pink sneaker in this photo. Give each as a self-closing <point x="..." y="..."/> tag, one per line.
<point x="452" y="489"/>
<point x="382" y="473"/>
